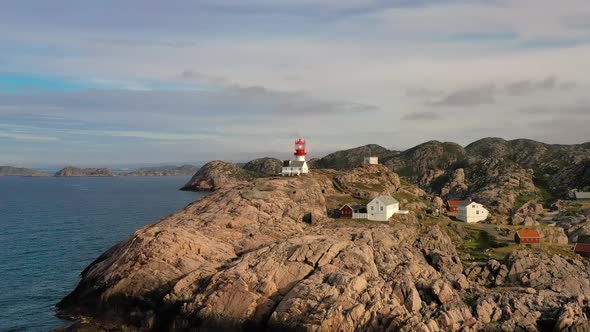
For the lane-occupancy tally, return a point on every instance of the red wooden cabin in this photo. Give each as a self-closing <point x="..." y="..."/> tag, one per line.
<point x="346" y="211"/>
<point x="582" y="249"/>
<point x="527" y="236"/>
<point x="453" y="205"/>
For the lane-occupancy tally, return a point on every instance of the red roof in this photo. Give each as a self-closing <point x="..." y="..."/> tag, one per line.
<point x="528" y="233"/>
<point x="454" y="202"/>
<point x="582" y="247"/>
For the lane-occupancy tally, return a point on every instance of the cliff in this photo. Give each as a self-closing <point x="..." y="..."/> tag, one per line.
<point x="184" y="170"/>
<point x="84" y="172"/>
<point x="264" y="254"/>
<point x="17" y="171"/>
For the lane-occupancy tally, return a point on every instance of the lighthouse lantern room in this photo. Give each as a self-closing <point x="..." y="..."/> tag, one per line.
<point x="299" y="165"/>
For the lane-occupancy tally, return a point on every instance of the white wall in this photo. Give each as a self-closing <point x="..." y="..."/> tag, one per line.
<point x="472" y="213"/>
<point x="376" y="214"/>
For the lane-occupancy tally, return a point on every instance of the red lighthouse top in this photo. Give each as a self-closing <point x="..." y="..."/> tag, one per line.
<point x="300" y="148"/>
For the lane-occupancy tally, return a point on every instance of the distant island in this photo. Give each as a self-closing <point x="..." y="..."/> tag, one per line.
<point x="71" y="171"/>
<point x="84" y="172"/>
<point x="184" y="170"/>
<point x="18" y="171"/>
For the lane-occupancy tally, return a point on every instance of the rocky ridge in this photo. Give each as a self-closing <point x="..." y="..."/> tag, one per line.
<point x="264" y="166"/>
<point x="184" y="170"/>
<point x="84" y="172"/>
<point x="18" y="171"/>
<point x="217" y="174"/>
<point x="263" y="253"/>
<point x="501" y="174"/>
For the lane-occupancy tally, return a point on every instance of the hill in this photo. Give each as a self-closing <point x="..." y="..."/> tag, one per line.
<point x="17" y="171"/>
<point x="501" y="174"/>
<point x="84" y="172"/>
<point x="184" y="170"/>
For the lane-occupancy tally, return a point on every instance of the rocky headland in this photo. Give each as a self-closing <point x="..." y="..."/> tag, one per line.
<point x="84" y="172"/>
<point x="265" y="253"/>
<point x="217" y="174"/>
<point x="18" y="171"/>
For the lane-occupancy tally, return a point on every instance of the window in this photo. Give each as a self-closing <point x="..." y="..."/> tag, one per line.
<point x="477" y="212"/>
<point x="381" y="208"/>
<point x="372" y="208"/>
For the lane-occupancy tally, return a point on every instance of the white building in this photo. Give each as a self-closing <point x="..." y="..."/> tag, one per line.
<point x="382" y="208"/>
<point x="294" y="168"/>
<point x="299" y="165"/>
<point x="472" y="212"/>
<point x="371" y="161"/>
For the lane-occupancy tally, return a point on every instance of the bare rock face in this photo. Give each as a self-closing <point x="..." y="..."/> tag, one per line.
<point x="215" y="175"/>
<point x="456" y="187"/>
<point x="264" y="166"/>
<point x="84" y="172"/>
<point x="368" y="181"/>
<point x="263" y="254"/>
<point x="498" y="184"/>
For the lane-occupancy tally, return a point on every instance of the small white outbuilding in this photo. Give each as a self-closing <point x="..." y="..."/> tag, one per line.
<point x="371" y="161"/>
<point x="382" y="208"/>
<point x="472" y="212"/>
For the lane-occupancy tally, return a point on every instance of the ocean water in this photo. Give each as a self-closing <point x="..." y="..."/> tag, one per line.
<point x="52" y="228"/>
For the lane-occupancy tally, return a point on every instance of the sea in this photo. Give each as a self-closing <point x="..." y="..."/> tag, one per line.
<point x="52" y="228"/>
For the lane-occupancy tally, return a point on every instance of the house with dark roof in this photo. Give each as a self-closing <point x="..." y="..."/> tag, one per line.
<point x="527" y="236"/>
<point x="582" y="249"/>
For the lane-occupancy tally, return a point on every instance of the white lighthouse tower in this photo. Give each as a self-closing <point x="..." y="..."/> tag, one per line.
<point x="299" y="165"/>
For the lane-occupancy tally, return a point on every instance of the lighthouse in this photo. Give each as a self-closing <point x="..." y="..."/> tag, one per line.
<point x="300" y="150"/>
<point x="299" y="165"/>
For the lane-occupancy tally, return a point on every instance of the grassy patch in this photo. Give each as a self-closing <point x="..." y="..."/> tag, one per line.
<point x="482" y="246"/>
<point x="523" y="199"/>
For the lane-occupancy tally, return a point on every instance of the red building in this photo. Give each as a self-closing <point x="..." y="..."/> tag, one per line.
<point x="527" y="236"/>
<point x="582" y="249"/>
<point x="347" y="210"/>
<point x="453" y="205"/>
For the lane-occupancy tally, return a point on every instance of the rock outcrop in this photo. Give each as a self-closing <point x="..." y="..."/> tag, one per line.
<point x="84" y="172"/>
<point x="17" y="171"/>
<point x="215" y="175"/>
<point x="351" y="158"/>
<point x="528" y="214"/>
<point x="264" y="166"/>
<point x="367" y="181"/>
<point x="263" y="254"/>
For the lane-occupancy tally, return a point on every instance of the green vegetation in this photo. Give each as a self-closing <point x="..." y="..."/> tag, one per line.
<point x="522" y="199"/>
<point x="438" y="183"/>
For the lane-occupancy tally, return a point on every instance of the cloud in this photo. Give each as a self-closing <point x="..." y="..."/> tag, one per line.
<point x="564" y="110"/>
<point x="528" y="86"/>
<point x="421" y="116"/>
<point x="488" y="94"/>
<point x="485" y="94"/>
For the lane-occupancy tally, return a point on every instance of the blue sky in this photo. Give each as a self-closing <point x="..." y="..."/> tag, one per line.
<point x="111" y="82"/>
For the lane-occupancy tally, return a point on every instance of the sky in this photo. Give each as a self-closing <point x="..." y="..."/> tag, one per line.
<point x="143" y="81"/>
